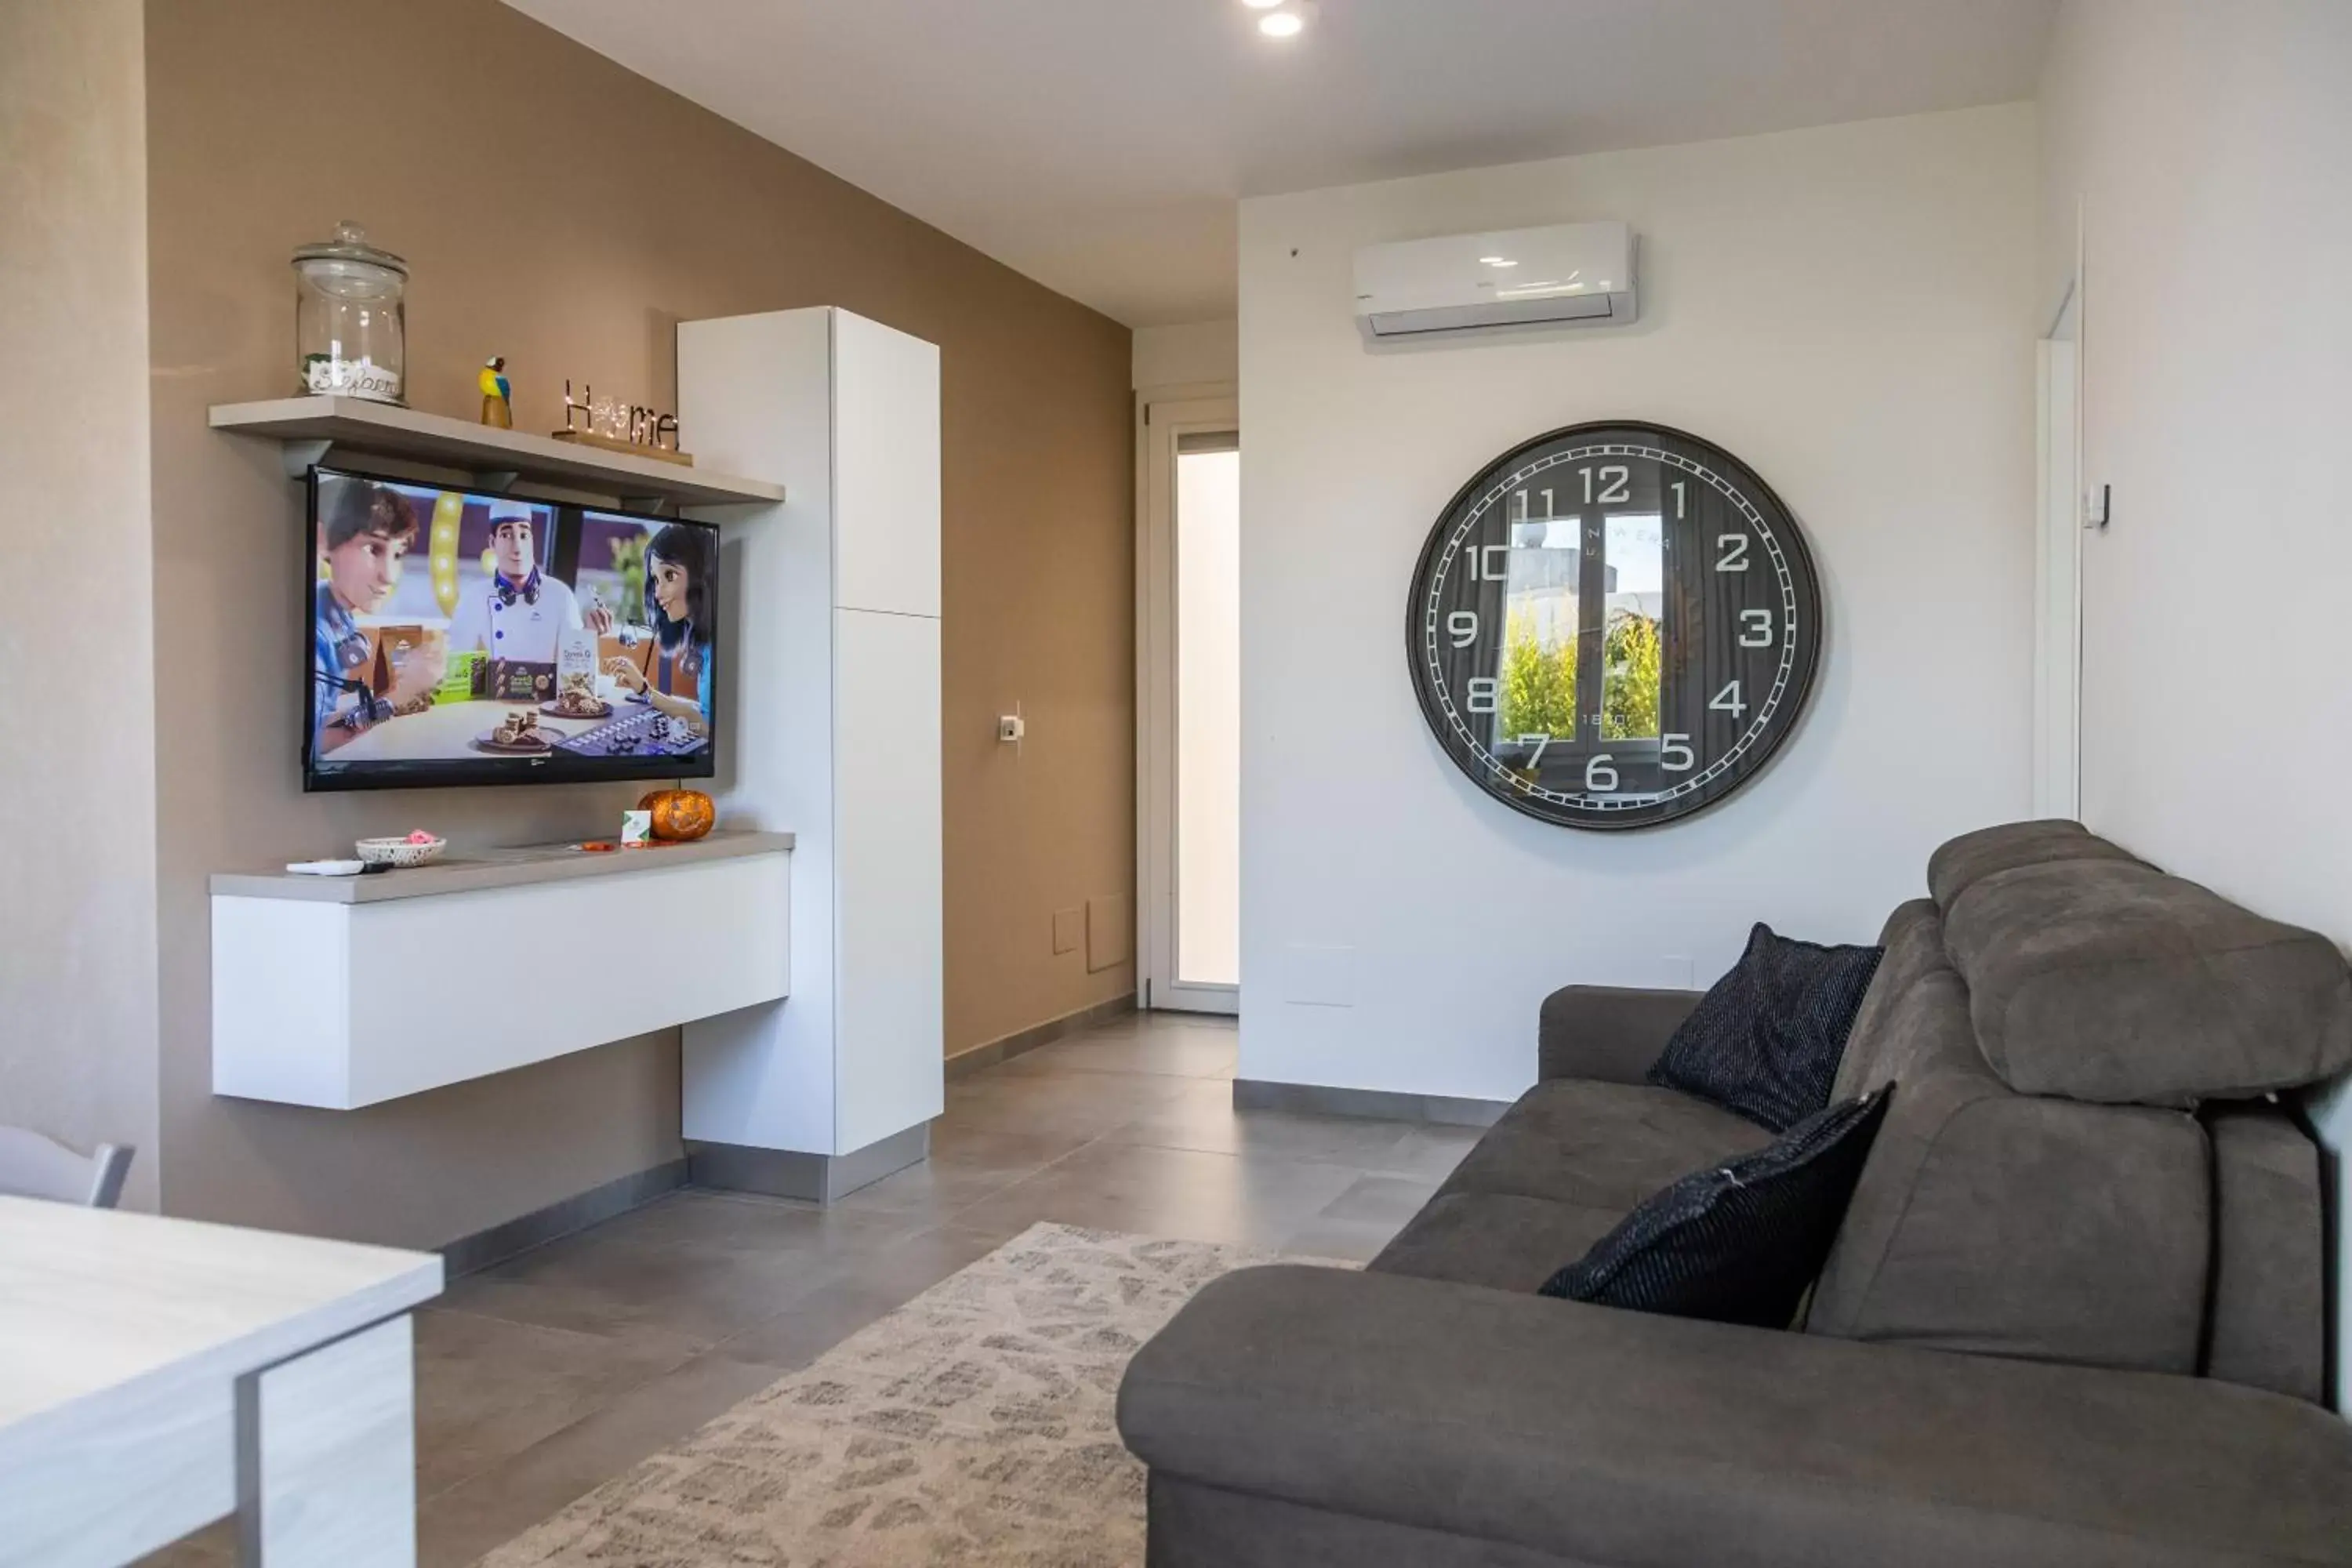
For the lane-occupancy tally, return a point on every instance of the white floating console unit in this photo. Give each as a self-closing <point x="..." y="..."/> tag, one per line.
<point x="832" y="712"/>
<point x="343" y="992"/>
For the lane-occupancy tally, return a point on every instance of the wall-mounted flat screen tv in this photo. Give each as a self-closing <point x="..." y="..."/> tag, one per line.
<point x="459" y="638"/>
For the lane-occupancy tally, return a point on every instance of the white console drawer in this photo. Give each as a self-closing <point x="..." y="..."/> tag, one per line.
<point x="340" y="1005"/>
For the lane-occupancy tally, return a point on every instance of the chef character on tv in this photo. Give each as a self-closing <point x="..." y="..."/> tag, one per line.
<point x="521" y="613"/>
<point x="679" y="569"/>
<point x="364" y="532"/>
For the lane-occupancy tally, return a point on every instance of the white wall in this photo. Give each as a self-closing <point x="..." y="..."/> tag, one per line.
<point x="77" y="1051"/>
<point x="2208" y="148"/>
<point x="1850" y="310"/>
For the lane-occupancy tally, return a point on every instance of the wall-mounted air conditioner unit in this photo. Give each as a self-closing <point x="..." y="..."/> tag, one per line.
<point x="1569" y="275"/>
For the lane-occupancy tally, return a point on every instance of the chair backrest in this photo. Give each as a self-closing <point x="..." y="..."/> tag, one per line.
<point x="34" y="1166"/>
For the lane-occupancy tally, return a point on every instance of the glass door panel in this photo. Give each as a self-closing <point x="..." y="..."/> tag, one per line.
<point x="1208" y="710"/>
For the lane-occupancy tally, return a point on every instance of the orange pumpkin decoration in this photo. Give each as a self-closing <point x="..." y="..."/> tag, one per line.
<point x="679" y="814"/>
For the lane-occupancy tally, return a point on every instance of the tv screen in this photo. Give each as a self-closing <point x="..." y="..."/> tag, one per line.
<point x="464" y="639"/>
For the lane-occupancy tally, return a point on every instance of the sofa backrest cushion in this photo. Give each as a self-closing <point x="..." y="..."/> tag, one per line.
<point x="1995" y="1222"/>
<point x="1962" y="862"/>
<point x="2267" y="1328"/>
<point x="1912" y="944"/>
<point x="2106" y="980"/>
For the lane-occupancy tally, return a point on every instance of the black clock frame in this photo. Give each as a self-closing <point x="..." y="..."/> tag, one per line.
<point x="1778" y="520"/>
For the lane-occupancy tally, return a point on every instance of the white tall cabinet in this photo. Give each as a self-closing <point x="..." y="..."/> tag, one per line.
<point x="830" y="690"/>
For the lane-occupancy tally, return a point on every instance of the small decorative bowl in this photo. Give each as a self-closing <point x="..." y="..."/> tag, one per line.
<point x="400" y="853"/>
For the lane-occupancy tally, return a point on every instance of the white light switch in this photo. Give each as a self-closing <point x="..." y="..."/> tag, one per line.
<point x="2096" y="505"/>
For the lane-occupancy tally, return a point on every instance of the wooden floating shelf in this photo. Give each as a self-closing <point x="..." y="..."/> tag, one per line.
<point x="626" y="448"/>
<point x="489" y="868"/>
<point x="310" y="428"/>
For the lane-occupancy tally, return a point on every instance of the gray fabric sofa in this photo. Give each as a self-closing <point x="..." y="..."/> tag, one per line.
<point x="2075" y="1313"/>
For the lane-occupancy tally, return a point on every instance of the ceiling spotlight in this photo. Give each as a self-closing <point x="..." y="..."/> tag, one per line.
<point x="1281" y="24"/>
<point x="1496" y="261"/>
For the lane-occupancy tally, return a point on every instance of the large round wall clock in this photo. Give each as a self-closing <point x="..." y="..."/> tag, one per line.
<point x="1613" y="626"/>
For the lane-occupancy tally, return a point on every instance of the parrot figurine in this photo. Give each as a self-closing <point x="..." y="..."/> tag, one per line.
<point x="497" y="394"/>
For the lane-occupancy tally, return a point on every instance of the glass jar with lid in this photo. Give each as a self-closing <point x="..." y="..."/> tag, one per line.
<point x="350" y="331"/>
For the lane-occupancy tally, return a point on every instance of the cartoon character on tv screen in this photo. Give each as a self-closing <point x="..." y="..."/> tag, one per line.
<point x="678" y="568"/>
<point x="365" y="533"/>
<point x="520" y="613"/>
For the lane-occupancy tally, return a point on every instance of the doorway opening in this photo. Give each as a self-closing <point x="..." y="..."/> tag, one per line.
<point x="1189" y="704"/>
<point x="2058" y="569"/>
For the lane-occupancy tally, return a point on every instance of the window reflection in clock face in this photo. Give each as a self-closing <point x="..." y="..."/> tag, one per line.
<point x="1613" y="626"/>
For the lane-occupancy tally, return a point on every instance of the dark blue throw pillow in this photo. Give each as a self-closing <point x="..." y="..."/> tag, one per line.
<point x="1766" y="1039"/>
<point x="1742" y="1242"/>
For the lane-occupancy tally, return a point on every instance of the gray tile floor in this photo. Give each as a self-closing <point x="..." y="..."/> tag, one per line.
<point x="545" y="1375"/>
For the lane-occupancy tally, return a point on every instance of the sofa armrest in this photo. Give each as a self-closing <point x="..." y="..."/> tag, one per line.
<point x="1599" y="1435"/>
<point x="1608" y="1032"/>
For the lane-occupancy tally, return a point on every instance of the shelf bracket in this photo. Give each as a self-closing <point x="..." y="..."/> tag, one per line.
<point x="496" y="481"/>
<point x="301" y="456"/>
<point x="654" y="506"/>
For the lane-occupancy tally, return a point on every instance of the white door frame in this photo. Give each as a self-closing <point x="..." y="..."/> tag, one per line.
<point x="2058" y="563"/>
<point x="1161" y="422"/>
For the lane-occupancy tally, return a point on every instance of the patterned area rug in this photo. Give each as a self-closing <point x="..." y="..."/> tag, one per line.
<point x="972" y="1426"/>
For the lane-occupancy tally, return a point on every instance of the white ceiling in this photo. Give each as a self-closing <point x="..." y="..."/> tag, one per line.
<point x="1099" y="146"/>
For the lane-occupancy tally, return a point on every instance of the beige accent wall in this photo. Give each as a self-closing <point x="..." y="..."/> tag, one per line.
<point x="563" y="213"/>
<point x="78" y="770"/>
<point x="1197" y="354"/>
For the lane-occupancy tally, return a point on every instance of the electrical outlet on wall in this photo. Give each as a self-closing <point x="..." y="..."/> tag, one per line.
<point x="1069" y="928"/>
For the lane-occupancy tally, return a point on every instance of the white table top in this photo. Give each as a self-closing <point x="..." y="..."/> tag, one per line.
<point x="95" y="1301"/>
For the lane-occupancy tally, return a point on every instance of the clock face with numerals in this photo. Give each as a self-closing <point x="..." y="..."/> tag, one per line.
<point x="1613" y="626"/>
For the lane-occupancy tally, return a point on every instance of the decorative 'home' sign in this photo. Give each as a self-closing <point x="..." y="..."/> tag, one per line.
<point x="1613" y="626"/>
<point x="619" y="427"/>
